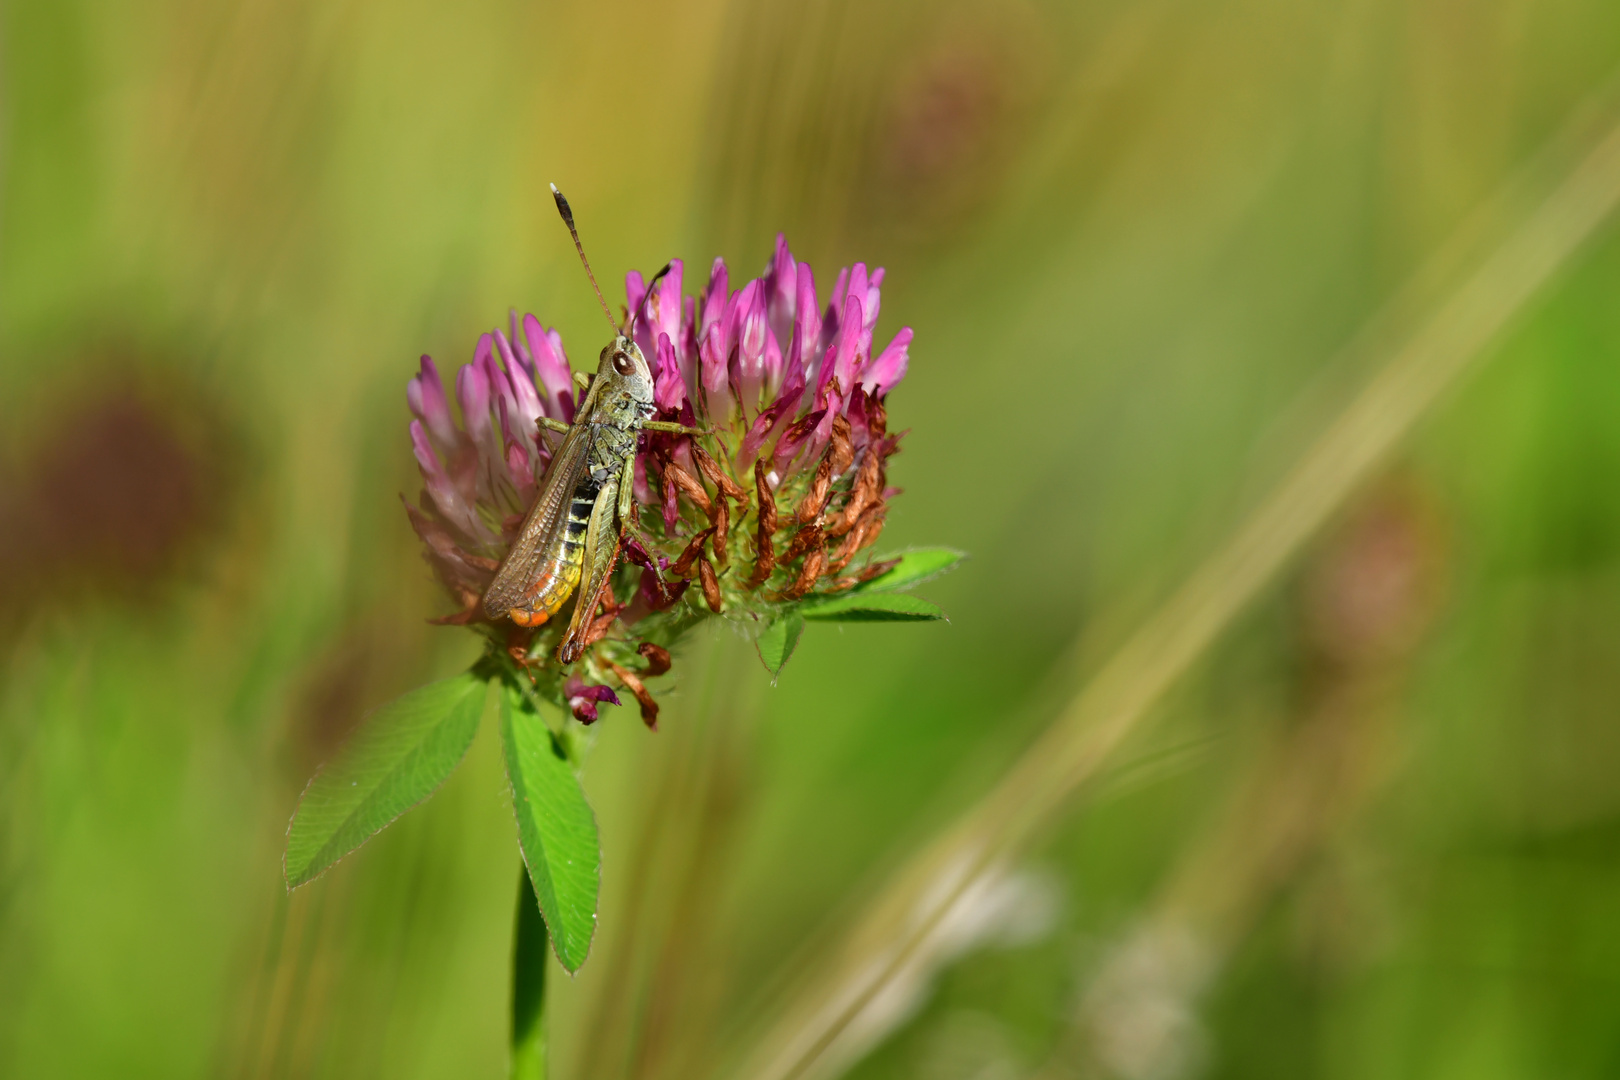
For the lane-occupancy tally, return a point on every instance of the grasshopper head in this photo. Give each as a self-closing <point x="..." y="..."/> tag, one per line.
<point x="625" y="370"/>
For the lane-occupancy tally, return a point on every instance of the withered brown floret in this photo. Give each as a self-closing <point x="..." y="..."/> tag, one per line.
<point x="711" y="585"/>
<point x="686" y="482"/>
<point x="764" y="544"/>
<point x="682" y="566"/>
<point x="815" y="500"/>
<point x="657" y="658"/>
<point x="721" y="519"/>
<point x="841" y="450"/>
<point x="715" y="475"/>
<point x="807" y="538"/>
<point x="813" y="564"/>
<point x="633" y="683"/>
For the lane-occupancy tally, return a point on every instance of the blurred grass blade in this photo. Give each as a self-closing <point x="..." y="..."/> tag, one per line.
<point x="894" y="935"/>
<point x="528" y="985"/>
<point x="777" y="643"/>
<point x="914" y="568"/>
<point x="874" y="607"/>
<point x="399" y="756"/>
<point x="556" y="828"/>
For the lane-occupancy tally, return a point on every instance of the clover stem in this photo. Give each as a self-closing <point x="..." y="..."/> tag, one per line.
<point x="528" y="984"/>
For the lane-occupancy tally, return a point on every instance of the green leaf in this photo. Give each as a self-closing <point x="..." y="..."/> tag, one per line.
<point x="873" y="607"/>
<point x="556" y="828"/>
<point x="399" y="756"/>
<point x="914" y="568"/>
<point x="776" y="644"/>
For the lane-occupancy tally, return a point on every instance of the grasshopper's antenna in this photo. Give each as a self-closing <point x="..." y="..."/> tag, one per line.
<point x="568" y="219"/>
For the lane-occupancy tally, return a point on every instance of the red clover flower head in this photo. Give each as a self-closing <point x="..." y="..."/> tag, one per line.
<point x="768" y="513"/>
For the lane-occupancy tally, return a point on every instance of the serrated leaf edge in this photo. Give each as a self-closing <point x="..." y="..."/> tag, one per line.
<point x="321" y="771"/>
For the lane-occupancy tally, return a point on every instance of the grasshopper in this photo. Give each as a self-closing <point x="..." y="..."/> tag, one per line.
<point x="586" y="501"/>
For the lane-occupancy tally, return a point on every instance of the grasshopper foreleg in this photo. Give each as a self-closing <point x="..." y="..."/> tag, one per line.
<point x="674" y="429"/>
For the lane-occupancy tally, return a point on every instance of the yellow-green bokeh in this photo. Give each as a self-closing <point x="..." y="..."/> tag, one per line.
<point x="1131" y="238"/>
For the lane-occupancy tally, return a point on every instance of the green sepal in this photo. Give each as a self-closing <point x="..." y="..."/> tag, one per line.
<point x="859" y="606"/>
<point x="777" y="642"/>
<point x="556" y="828"/>
<point x="399" y="756"/>
<point x="915" y="567"/>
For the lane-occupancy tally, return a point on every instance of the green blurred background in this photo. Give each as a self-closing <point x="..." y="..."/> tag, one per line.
<point x="1381" y="819"/>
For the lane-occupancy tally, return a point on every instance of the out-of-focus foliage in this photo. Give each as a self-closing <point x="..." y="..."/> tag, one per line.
<point x="1377" y="833"/>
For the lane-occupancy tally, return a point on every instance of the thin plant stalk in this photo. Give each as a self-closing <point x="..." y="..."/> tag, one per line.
<point x="896" y="932"/>
<point x="529" y="946"/>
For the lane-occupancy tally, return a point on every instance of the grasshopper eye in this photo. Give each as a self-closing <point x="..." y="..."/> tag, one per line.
<point x="623" y="364"/>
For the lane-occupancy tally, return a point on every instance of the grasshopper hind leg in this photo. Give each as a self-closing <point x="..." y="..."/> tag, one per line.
<point x="601" y="552"/>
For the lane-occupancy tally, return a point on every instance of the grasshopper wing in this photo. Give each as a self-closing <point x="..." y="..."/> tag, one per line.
<point x="533" y="579"/>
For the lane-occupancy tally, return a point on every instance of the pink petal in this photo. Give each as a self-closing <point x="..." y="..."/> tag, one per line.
<point x="472" y="391"/>
<point x="783" y="408"/>
<point x="669" y="389"/>
<point x="839" y="362"/>
<point x="551" y="368"/>
<point x="714" y="298"/>
<point x="874" y="298"/>
<point x="517" y="464"/>
<point x="713" y="357"/>
<point x="635" y="289"/>
<point x="525" y="399"/>
<point x="884" y="373"/>
<point x="664" y="307"/>
<point x="425" y="395"/>
<point x="440" y="489"/>
<point x="782" y="290"/>
<point x="524" y="352"/>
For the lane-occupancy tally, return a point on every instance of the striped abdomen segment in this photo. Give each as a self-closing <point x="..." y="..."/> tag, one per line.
<point x="561" y="565"/>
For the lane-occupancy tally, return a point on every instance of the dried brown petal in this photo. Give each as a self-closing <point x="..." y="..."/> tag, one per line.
<point x="865" y="531"/>
<point x="767" y="499"/>
<point x="657" y="658"/>
<point x="685" y="481"/>
<point x="841" y="450"/>
<point x="815" y="500"/>
<point x="877" y="569"/>
<point x="870" y="527"/>
<point x="808" y="574"/>
<point x="868" y="484"/>
<point x="694" y="550"/>
<point x="649" y="706"/>
<point x="711" y="584"/>
<point x="714" y="474"/>
<point x="765" y="560"/>
<point x="811" y="536"/>
<point x="722" y="526"/>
